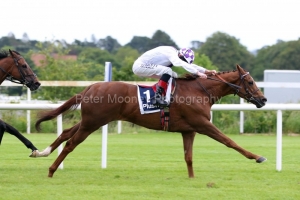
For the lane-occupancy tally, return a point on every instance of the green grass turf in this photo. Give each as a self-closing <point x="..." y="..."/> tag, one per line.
<point x="151" y="166"/>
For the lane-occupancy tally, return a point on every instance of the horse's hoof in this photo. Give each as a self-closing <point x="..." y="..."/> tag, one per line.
<point x="261" y="159"/>
<point x="34" y="154"/>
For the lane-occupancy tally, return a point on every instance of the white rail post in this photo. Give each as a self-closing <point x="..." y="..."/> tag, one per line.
<point x="104" y="146"/>
<point x="119" y="126"/>
<point x="108" y="77"/>
<point x="59" y="131"/>
<point x="28" y="111"/>
<point x="241" y="117"/>
<point x="279" y="141"/>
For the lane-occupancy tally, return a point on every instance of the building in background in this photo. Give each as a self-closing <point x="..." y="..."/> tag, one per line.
<point x="289" y="93"/>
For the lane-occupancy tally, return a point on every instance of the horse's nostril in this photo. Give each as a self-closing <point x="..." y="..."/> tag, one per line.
<point x="33" y="86"/>
<point x="264" y="100"/>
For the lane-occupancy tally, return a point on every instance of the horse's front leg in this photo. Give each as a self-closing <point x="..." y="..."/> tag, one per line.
<point x="188" y="140"/>
<point x="11" y="130"/>
<point x="213" y="132"/>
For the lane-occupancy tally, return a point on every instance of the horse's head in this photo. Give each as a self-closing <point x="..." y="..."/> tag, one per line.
<point x="20" y="72"/>
<point x="249" y="90"/>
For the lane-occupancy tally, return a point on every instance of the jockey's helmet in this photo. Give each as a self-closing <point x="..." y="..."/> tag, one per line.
<point x="188" y="55"/>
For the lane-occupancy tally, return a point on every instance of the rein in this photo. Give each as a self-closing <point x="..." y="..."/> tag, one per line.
<point x="234" y="86"/>
<point x="223" y="81"/>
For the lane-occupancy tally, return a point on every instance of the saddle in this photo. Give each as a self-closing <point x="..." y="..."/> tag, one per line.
<point x="146" y="93"/>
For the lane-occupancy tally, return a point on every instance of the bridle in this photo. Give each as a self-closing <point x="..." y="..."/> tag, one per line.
<point x="248" y="95"/>
<point x="23" y="80"/>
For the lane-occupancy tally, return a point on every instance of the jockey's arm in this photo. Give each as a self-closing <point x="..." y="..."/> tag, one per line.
<point x="210" y="72"/>
<point x="205" y="71"/>
<point x="176" y="61"/>
<point x="199" y="68"/>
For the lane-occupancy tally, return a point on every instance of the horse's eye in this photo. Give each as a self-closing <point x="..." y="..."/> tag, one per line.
<point x="24" y="66"/>
<point x="250" y="82"/>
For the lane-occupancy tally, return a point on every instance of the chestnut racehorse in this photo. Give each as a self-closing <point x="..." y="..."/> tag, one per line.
<point x="189" y="111"/>
<point x="14" y="68"/>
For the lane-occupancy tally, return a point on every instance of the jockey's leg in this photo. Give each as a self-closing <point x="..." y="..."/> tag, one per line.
<point x="161" y="89"/>
<point x="155" y="71"/>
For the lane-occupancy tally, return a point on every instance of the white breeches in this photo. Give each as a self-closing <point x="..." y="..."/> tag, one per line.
<point x="151" y="70"/>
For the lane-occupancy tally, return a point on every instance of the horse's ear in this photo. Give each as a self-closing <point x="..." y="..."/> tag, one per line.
<point x="10" y="51"/>
<point x="239" y="68"/>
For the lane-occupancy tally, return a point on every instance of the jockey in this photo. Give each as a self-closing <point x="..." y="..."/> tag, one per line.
<point x="158" y="63"/>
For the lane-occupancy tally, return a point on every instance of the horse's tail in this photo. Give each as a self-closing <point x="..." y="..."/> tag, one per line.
<point x="71" y="104"/>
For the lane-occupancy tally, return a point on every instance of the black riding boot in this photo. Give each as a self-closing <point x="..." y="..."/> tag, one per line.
<point x="161" y="89"/>
<point x="159" y="99"/>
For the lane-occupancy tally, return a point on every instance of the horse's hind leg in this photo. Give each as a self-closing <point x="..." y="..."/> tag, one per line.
<point x="78" y="137"/>
<point x="188" y="140"/>
<point x="8" y="128"/>
<point x="64" y="136"/>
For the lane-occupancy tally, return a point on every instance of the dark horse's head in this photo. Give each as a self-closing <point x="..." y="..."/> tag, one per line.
<point x="15" y="69"/>
<point x="249" y="90"/>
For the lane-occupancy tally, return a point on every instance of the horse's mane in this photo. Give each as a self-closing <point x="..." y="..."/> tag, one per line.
<point x="189" y="77"/>
<point x="5" y="54"/>
<point x="224" y="72"/>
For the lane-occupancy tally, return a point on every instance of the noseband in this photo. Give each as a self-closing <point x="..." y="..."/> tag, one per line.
<point x="23" y="80"/>
<point x="248" y="95"/>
